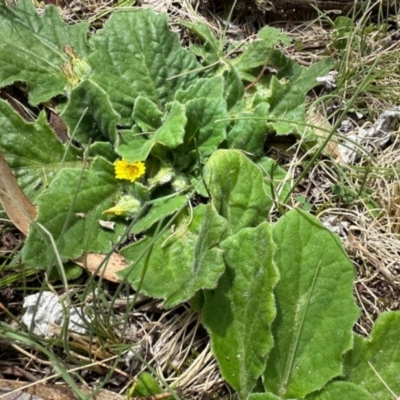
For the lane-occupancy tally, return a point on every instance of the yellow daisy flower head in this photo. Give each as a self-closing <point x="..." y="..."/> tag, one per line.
<point x="129" y="171"/>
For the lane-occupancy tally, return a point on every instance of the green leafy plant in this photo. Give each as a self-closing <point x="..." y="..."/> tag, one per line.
<point x="276" y="299"/>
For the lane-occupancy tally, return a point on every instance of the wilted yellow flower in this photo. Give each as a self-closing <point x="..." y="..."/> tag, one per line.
<point x="129" y="171"/>
<point x="127" y="206"/>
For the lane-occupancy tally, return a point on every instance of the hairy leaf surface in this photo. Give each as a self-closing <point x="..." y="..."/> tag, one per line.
<point x="146" y="114"/>
<point x="315" y="307"/>
<point x="89" y="114"/>
<point x="339" y="390"/>
<point x="33" y="151"/>
<point x="135" y="54"/>
<point x="263" y="396"/>
<point x="158" y="211"/>
<point x="276" y="182"/>
<point x="236" y="186"/>
<point x="238" y="313"/>
<point x="70" y="211"/>
<point x="181" y="261"/>
<point x="250" y="130"/>
<point x="137" y="146"/>
<point x="374" y="363"/>
<point x="210" y="88"/>
<point x="206" y="124"/>
<point x="33" y="50"/>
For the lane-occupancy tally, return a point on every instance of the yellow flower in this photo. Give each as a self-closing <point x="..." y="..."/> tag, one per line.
<point x="129" y="171"/>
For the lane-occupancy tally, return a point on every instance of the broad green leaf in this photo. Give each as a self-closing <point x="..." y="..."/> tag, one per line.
<point x="158" y="211"/>
<point x="302" y="78"/>
<point x="236" y="186"/>
<point x="33" y="151"/>
<point x="205" y="33"/>
<point x="286" y="92"/>
<point x="134" y="147"/>
<point x="314" y="301"/>
<point x="139" y="191"/>
<point x="33" y="50"/>
<point x="89" y="114"/>
<point x="49" y="27"/>
<point x="146" y="114"/>
<point x="145" y="386"/>
<point x="256" y="54"/>
<point x="234" y="89"/>
<point x="201" y="53"/>
<point x="73" y="221"/>
<point x="171" y="133"/>
<point x="249" y="131"/>
<point x="239" y="311"/>
<point x="374" y="363"/>
<point x="342" y="390"/>
<point x="207" y="119"/>
<point x="344" y="33"/>
<point x="182" y="261"/>
<point x="276" y="182"/>
<point x="135" y="54"/>
<point x="287" y="106"/>
<point x="263" y="396"/>
<point x="211" y="49"/>
<point x="211" y="88"/>
<point x="70" y="270"/>
<point x="273" y="36"/>
<point x="103" y="149"/>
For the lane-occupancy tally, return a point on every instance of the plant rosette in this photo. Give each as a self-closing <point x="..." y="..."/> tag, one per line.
<point x="166" y="143"/>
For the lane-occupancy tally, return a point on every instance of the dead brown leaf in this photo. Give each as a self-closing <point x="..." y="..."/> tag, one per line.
<point x="16" y="105"/>
<point x="59" y="127"/>
<point x="322" y="128"/>
<point x="17" y="206"/>
<point x="109" y="267"/>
